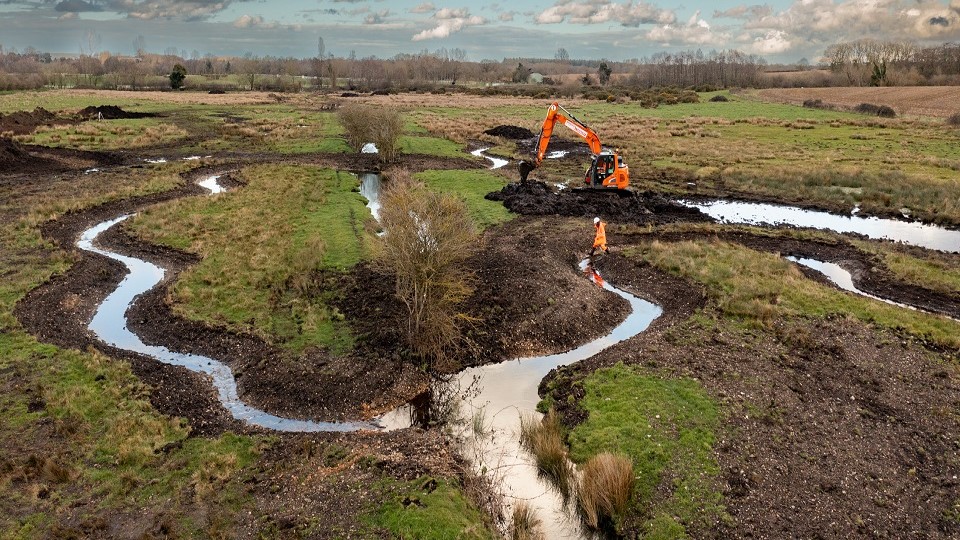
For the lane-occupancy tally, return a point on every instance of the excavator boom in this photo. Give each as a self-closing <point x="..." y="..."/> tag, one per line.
<point x="618" y="176"/>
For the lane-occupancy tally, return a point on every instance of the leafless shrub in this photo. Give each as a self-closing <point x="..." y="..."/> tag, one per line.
<point x="429" y="236"/>
<point x="525" y="525"/>
<point x="954" y="120"/>
<point x="605" y="487"/>
<point x="364" y="124"/>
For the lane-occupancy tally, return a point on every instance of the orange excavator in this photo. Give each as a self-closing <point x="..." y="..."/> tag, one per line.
<point x="607" y="169"/>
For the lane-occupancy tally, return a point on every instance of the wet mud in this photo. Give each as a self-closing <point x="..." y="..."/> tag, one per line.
<point x="539" y="199"/>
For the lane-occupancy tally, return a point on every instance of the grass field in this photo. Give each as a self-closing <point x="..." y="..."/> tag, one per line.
<point x="265" y="248"/>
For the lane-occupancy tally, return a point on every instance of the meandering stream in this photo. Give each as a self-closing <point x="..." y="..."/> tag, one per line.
<point x="908" y="232"/>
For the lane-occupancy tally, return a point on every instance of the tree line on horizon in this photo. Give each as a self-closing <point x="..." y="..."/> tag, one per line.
<point x="858" y="63"/>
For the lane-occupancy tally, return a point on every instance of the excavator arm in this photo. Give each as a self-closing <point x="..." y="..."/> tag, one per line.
<point x="555" y="114"/>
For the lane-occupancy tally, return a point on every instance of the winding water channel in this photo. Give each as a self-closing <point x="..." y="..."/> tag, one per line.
<point x="493" y="396"/>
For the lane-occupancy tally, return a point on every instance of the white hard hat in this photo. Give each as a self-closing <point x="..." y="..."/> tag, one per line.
<point x="596" y="220"/>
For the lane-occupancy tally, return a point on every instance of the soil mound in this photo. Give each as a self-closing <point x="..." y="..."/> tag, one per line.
<point x="10" y="152"/>
<point x="538" y="199"/>
<point x="109" y="112"/>
<point x="21" y="122"/>
<point x="510" y="132"/>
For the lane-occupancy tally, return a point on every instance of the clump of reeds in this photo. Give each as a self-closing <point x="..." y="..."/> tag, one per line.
<point x="606" y="483"/>
<point x="525" y="525"/>
<point x="544" y="439"/>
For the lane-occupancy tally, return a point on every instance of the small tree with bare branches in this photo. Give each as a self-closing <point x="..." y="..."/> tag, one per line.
<point x="428" y="238"/>
<point x="381" y="126"/>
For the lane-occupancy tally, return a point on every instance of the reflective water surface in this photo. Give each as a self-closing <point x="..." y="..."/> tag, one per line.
<point x="917" y="234"/>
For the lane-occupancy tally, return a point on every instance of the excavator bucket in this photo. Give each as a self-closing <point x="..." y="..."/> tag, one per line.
<point x="525" y="167"/>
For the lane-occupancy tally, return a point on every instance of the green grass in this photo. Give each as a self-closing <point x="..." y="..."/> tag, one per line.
<point x="264" y="248"/>
<point x="432" y="146"/>
<point x="756" y="288"/>
<point x="471" y="186"/>
<point x="436" y="513"/>
<point x="667" y="427"/>
<point x="938" y="274"/>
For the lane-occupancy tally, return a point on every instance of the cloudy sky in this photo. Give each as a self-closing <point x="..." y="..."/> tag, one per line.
<point x="780" y="30"/>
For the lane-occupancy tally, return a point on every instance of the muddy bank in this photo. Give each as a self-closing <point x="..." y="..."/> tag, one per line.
<point x="538" y="199"/>
<point x="528" y="299"/>
<point x="803" y="401"/>
<point x="22" y="162"/>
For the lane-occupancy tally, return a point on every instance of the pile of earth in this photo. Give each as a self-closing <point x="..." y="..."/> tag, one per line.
<point x="109" y="112"/>
<point x="10" y="151"/>
<point x="510" y="132"/>
<point x="538" y="199"/>
<point x="21" y="122"/>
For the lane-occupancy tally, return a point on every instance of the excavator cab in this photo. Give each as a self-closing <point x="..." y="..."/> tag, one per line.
<point x="607" y="171"/>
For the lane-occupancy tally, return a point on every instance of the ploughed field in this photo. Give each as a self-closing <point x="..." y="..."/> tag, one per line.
<point x="764" y="401"/>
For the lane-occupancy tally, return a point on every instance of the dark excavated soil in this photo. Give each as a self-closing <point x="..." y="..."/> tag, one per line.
<point x="510" y="132"/>
<point x="109" y="112"/>
<point x="538" y="199"/>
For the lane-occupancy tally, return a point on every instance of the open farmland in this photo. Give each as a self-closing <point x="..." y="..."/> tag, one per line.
<point x="761" y="401"/>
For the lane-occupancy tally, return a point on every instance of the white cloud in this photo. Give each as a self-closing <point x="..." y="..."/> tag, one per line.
<point x="448" y="13"/>
<point x="506" y="16"/>
<point x="379" y="17"/>
<point x="425" y="7"/>
<point x="246" y="21"/>
<point x="450" y="21"/>
<point x="169" y="9"/>
<point x="696" y="32"/>
<point x="773" y="42"/>
<point x="601" y="11"/>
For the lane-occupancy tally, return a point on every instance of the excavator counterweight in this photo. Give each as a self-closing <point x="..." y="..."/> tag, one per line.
<point x="607" y="169"/>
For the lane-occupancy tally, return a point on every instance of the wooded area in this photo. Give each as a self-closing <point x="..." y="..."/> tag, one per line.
<point x="858" y="63"/>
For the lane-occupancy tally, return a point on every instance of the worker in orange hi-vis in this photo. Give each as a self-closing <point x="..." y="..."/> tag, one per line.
<point x="600" y="240"/>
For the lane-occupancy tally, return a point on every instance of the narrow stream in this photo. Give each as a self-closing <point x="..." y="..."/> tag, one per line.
<point x="496" y="162"/>
<point x="917" y="234"/>
<point x="109" y="324"/>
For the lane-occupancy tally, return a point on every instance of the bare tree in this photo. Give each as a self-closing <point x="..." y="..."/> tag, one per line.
<point x="428" y="238"/>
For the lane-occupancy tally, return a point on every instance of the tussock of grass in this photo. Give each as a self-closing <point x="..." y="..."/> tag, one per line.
<point x="264" y="250"/>
<point x="666" y="428"/>
<point x="757" y="288"/>
<point x="525" y="524"/>
<point x="606" y="483"/>
<point x="544" y="439"/>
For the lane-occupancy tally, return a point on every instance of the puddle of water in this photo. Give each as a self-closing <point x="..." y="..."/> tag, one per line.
<point x="109" y="324"/>
<point x="369" y="148"/>
<point x="557" y="154"/>
<point x="158" y="160"/>
<point x="497" y="162"/>
<point x="917" y="234"/>
<point x="93" y="170"/>
<point x="212" y="184"/>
